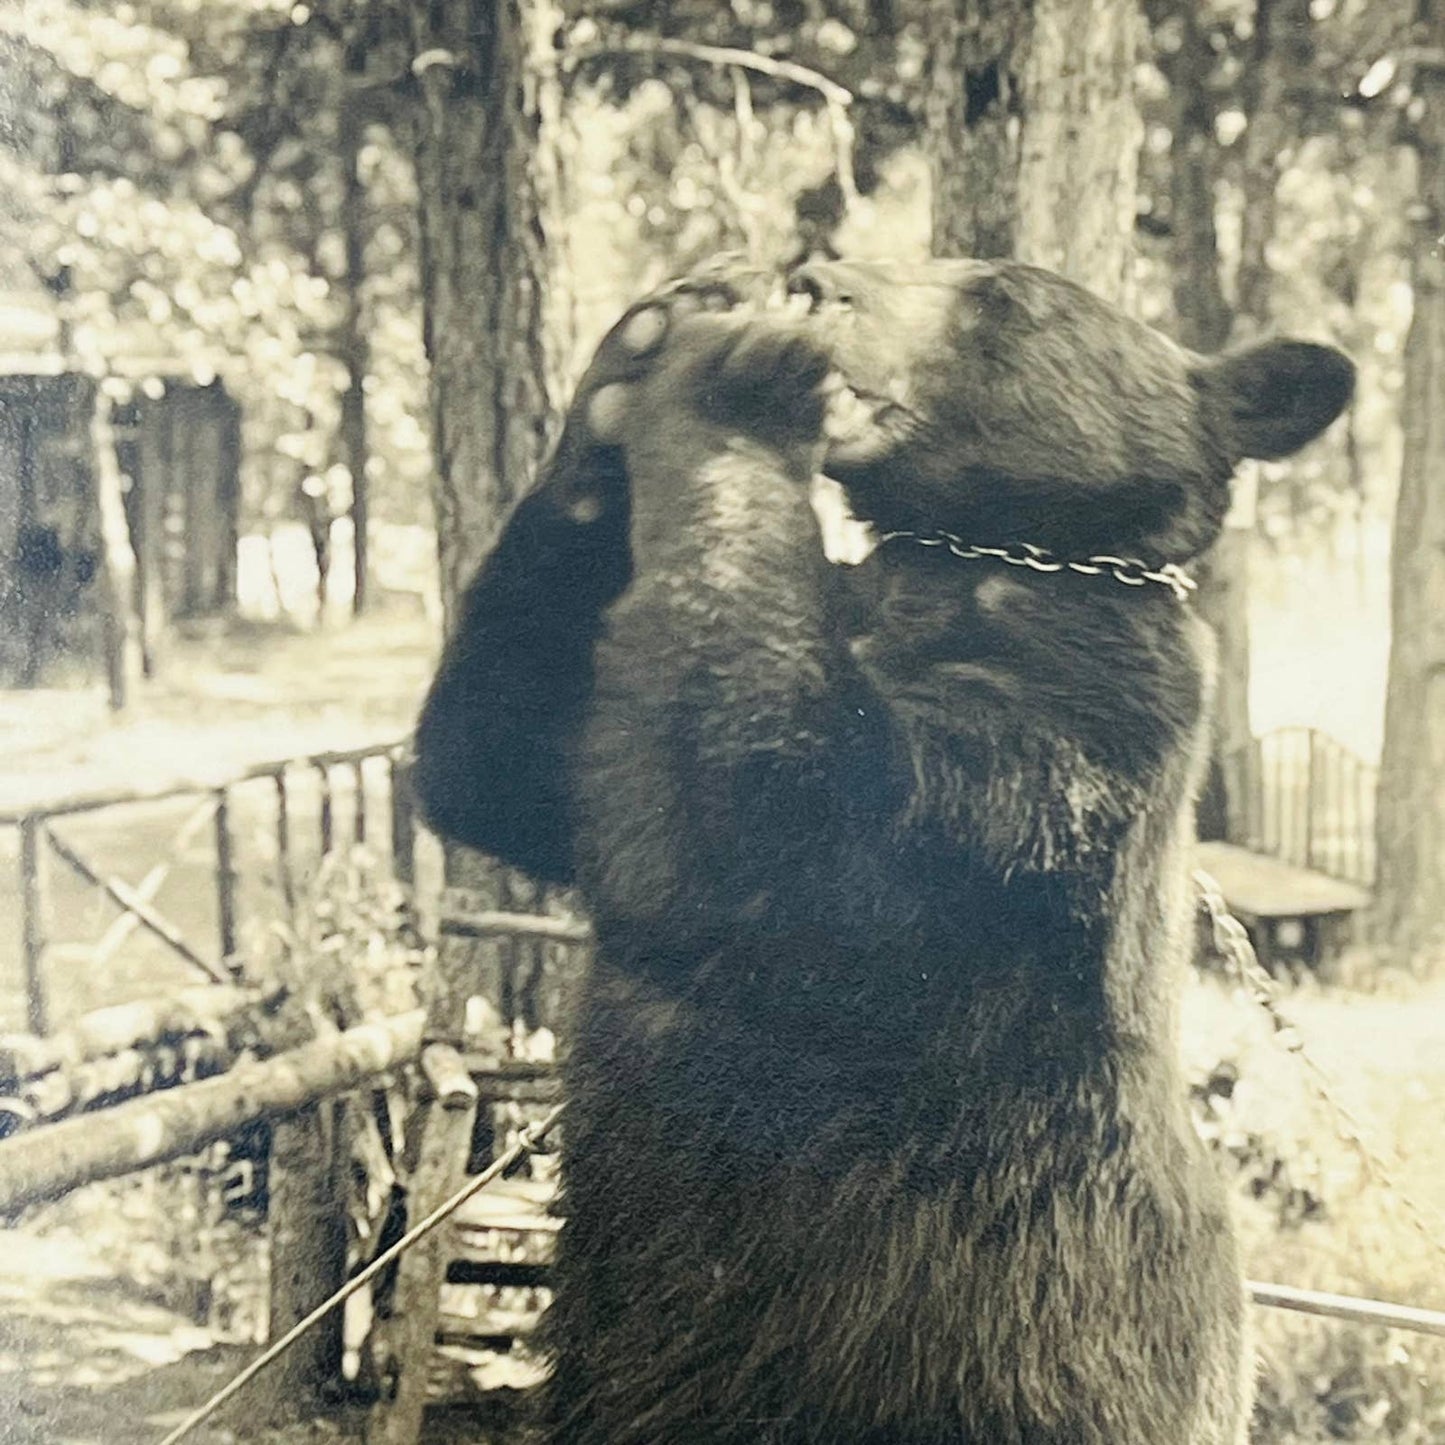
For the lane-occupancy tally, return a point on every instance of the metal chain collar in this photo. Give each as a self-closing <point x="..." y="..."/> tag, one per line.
<point x="1128" y="570"/>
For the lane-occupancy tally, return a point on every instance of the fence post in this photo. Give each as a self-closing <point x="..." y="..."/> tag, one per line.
<point x="1311" y="780"/>
<point x="307" y="1218"/>
<point x="283" y="842"/>
<point x="358" y="773"/>
<point x="32" y="922"/>
<point x="408" y="1344"/>
<point x="403" y="835"/>
<point x="447" y="1120"/>
<point x="327" y="820"/>
<point x="225" y="880"/>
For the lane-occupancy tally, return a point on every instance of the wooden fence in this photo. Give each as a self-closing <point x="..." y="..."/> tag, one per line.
<point x="1309" y="801"/>
<point x="43" y="844"/>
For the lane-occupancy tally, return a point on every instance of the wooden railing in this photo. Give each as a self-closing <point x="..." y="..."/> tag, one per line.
<point x="42" y="843"/>
<point x="1308" y="800"/>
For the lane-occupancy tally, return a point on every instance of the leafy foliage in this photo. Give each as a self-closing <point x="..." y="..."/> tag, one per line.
<point x="176" y="190"/>
<point x="1281" y="1180"/>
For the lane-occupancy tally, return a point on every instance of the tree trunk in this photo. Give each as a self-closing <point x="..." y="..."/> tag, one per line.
<point x="497" y="328"/>
<point x="1283" y="51"/>
<point x="120" y="623"/>
<point x="1410" y="828"/>
<point x="1034" y="135"/>
<point x="489" y="190"/>
<point x="307" y="1218"/>
<point x="496" y="331"/>
<point x="355" y="348"/>
<point x="1205" y="321"/>
<point x="1202" y="316"/>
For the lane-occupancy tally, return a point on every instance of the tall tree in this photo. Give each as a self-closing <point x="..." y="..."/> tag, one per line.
<point x="1033" y="135"/>
<point x="496" y="328"/>
<point x="354" y="347"/>
<point x="1411" y="810"/>
<point x="1272" y="97"/>
<point x="496" y="324"/>
<point x="1203" y="319"/>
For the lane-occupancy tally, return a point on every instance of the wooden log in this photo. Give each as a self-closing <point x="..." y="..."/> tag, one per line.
<point x="32" y="923"/>
<point x="215" y="1010"/>
<point x="406" y="1343"/>
<point x="495" y="923"/>
<point x="94" y="802"/>
<point x="518" y="1081"/>
<point x="447" y="1079"/>
<point x="307" y="1219"/>
<point x="46" y="1163"/>
<point x="113" y="1077"/>
<point x="116" y="797"/>
<point x="411" y="1333"/>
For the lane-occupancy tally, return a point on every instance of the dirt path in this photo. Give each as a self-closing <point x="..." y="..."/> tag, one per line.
<point x="225" y="699"/>
<point x="87" y="1359"/>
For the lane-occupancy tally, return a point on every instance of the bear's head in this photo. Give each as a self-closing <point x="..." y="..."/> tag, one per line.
<point x="1006" y="404"/>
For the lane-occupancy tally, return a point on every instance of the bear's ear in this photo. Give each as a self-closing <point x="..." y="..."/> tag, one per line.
<point x="1277" y="395"/>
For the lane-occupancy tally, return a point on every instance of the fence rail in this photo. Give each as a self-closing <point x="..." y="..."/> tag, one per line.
<point x="42" y="843"/>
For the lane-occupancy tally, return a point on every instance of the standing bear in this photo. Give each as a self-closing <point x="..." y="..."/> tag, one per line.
<point x="877" y="1134"/>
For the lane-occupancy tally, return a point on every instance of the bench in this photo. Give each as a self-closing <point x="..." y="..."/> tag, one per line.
<point x="1291" y="913"/>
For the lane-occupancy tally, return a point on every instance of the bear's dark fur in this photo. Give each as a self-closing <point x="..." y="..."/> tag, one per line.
<point x="877" y="1135"/>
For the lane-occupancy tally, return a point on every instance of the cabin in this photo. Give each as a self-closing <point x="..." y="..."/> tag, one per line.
<point x="177" y="445"/>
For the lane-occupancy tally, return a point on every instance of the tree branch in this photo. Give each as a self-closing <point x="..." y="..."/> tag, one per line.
<point x="836" y="97"/>
<point x="719" y="55"/>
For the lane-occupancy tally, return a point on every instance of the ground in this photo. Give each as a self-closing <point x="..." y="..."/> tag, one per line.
<point x="228" y="696"/>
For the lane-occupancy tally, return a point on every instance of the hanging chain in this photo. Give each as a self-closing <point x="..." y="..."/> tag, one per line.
<point x="1128" y="570"/>
<point x="1231" y="942"/>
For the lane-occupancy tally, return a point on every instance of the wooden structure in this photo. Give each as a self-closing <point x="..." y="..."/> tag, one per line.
<point x="43" y="845"/>
<point x="138" y="1084"/>
<point x="177" y="449"/>
<point x="1309" y="801"/>
<point x="1290" y="912"/>
<point x="1299" y="865"/>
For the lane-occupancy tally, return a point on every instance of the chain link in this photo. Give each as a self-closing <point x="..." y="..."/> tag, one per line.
<point x="1230" y="941"/>
<point x="1127" y="570"/>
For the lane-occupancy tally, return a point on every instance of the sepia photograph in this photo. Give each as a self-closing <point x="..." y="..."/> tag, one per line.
<point x="722" y="722"/>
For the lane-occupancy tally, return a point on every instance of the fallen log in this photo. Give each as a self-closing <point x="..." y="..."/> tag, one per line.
<point x="206" y="1009"/>
<point x="47" y="1162"/>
